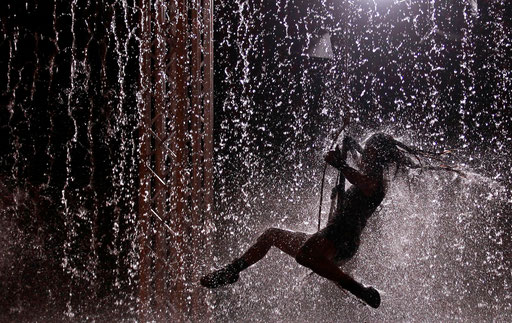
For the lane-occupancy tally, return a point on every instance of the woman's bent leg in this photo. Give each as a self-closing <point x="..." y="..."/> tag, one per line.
<point x="318" y="254"/>
<point x="288" y="241"/>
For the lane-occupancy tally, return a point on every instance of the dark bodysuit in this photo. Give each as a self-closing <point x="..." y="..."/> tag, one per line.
<point x="344" y="228"/>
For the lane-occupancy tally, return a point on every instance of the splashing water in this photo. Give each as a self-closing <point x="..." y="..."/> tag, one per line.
<point x="439" y="248"/>
<point x="435" y="73"/>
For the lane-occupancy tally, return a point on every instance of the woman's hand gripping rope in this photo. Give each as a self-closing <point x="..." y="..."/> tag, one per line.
<point x="346" y="122"/>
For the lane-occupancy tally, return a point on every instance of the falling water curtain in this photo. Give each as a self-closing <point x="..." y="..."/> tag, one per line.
<point x="68" y="145"/>
<point x="106" y="157"/>
<point x="105" y="138"/>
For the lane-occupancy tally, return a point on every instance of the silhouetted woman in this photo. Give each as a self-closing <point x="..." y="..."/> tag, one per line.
<point x="325" y="250"/>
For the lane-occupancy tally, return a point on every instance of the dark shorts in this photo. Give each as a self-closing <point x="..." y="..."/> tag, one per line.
<point x="346" y="241"/>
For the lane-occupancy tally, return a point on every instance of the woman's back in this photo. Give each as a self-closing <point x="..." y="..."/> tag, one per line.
<point x="357" y="209"/>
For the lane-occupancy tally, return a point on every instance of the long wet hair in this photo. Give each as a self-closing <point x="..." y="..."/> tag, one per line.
<point x="393" y="152"/>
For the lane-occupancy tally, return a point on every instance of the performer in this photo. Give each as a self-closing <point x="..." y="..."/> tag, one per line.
<point x="338" y="241"/>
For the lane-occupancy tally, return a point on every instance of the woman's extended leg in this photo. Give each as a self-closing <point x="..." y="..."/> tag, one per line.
<point x="318" y="254"/>
<point x="287" y="241"/>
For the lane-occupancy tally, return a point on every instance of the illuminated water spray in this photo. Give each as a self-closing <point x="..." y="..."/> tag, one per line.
<point x="431" y="73"/>
<point x="110" y="154"/>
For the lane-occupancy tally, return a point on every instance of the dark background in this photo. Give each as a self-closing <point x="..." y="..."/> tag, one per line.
<point x="68" y="142"/>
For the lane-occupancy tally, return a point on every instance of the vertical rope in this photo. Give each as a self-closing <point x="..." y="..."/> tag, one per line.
<point x="345" y="123"/>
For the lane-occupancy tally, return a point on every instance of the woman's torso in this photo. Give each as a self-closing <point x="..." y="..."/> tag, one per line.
<point x="357" y="209"/>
